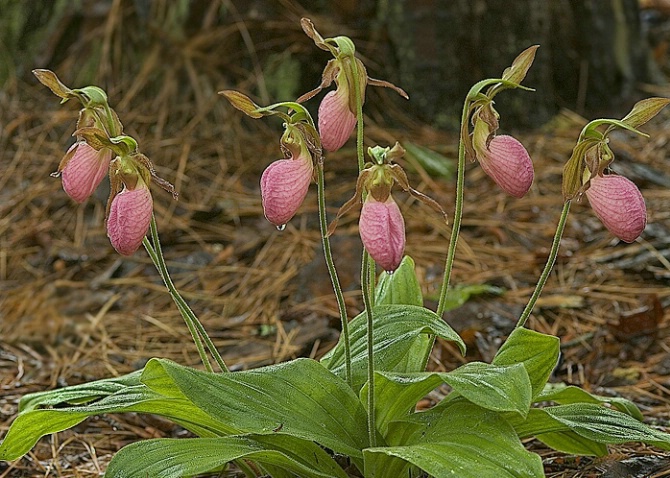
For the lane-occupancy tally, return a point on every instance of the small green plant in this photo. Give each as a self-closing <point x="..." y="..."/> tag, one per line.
<point x="357" y="405"/>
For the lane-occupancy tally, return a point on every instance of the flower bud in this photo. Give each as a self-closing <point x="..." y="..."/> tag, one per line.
<point x="284" y="186"/>
<point x="619" y="205"/>
<point x="507" y="162"/>
<point x="382" y="231"/>
<point x="129" y="218"/>
<point x="84" y="170"/>
<point x="336" y="120"/>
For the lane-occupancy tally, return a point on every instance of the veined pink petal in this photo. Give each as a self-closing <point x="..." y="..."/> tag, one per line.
<point x="129" y="219"/>
<point x="507" y="162"/>
<point x="336" y="121"/>
<point x="382" y="230"/>
<point x="284" y="185"/>
<point x="619" y="205"/>
<point x="85" y="170"/>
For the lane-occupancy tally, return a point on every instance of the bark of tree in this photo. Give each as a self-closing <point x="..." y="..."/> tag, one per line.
<point x="592" y="54"/>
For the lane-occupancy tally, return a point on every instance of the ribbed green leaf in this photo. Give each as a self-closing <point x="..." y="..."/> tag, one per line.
<point x="33" y="423"/>
<point x="300" y="397"/>
<point x="494" y="387"/>
<point x="554" y="434"/>
<point x="538" y="353"/>
<point x="497" y="388"/>
<point x="395" y="327"/>
<point x="403" y="288"/>
<point x="400" y="287"/>
<point x="172" y="458"/>
<point x="464" y="441"/>
<point x="567" y="394"/>
<point x="605" y="425"/>
<point x="77" y="394"/>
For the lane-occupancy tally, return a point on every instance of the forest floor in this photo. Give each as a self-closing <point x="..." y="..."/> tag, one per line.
<point x="72" y="310"/>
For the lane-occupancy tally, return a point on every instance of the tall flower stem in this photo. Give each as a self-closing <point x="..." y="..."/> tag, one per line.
<point x="458" y="208"/>
<point x="367" y="266"/>
<point x="547" y="267"/>
<point x="198" y="332"/>
<point x="330" y="264"/>
<point x="371" y="364"/>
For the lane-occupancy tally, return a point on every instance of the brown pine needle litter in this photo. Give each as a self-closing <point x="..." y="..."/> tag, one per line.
<point x="72" y="311"/>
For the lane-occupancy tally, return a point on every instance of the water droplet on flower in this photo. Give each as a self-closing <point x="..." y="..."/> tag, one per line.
<point x="282" y="227"/>
<point x="390" y="272"/>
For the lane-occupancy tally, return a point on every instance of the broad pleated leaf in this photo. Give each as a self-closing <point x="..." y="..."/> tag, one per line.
<point x="554" y="434"/>
<point x="395" y="328"/>
<point x="300" y="397"/>
<point x="566" y="394"/>
<point x="176" y="458"/>
<point x="77" y="394"/>
<point x="400" y="288"/>
<point x="403" y="288"/>
<point x="494" y="387"/>
<point x="583" y="428"/>
<point x="497" y="388"/>
<point x="464" y="440"/>
<point x="33" y="423"/>
<point x="538" y="353"/>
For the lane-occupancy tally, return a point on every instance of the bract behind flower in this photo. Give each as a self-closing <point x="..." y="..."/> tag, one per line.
<point x="508" y="163"/>
<point x="284" y="185"/>
<point x="336" y="120"/>
<point x="382" y="230"/>
<point x="129" y="219"/>
<point x="84" y="170"/>
<point x="619" y="204"/>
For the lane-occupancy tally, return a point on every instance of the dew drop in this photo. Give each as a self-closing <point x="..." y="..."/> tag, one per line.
<point x="282" y="227"/>
<point x="390" y="272"/>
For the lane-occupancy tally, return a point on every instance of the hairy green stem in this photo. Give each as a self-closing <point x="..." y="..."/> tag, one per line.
<point x="547" y="267"/>
<point x="330" y="264"/>
<point x="367" y="265"/>
<point x="458" y="208"/>
<point x="196" y="329"/>
<point x="371" y="363"/>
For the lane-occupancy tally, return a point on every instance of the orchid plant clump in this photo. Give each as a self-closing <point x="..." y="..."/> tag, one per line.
<point x="353" y="413"/>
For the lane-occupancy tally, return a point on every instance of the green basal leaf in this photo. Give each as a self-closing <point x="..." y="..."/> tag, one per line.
<point x="33" y="423"/>
<point x="172" y="458"/>
<point x="594" y="425"/>
<point x="493" y="387"/>
<point x="566" y="394"/>
<point x="538" y="353"/>
<point x="397" y="394"/>
<point x="497" y="388"/>
<point x="462" y="440"/>
<point x="605" y="425"/>
<point x="78" y="394"/>
<point x="554" y="434"/>
<point x="301" y="398"/>
<point x="395" y="329"/>
<point x="401" y="287"/>
<point x="434" y="163"/>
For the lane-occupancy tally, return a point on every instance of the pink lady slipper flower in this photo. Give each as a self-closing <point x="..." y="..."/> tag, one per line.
<point x="82" y="170"/>
<point x="336" y="120"/>
<point x="284" y="185"/>
<point x="619" y="205"/>
<point x="337" y="111"/>
<point x="129" y="218"/>
<point x="382" y="230"/>
<point x="504" y="159"/>
<point x="381" y="225"/>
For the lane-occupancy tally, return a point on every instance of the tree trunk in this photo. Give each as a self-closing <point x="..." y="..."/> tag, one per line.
<point x="591" y="57"/>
